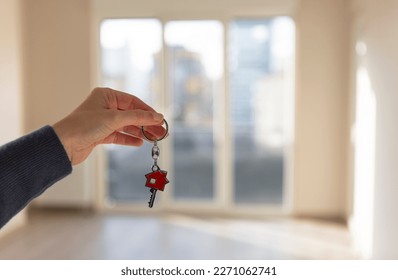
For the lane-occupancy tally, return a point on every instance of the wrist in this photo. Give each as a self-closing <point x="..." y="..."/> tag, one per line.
<point x="63" y="137"/>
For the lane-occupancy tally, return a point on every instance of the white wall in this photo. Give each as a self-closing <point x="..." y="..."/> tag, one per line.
<point x="10" y="81"/>
<point x="376" y="21"/>
<point x="321" y="108"/>
<point x="57" y="80"/>
<point x="10" y="70"/>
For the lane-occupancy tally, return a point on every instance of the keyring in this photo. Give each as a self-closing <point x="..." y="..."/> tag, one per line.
<point x="157" y="179"/>
<point x="156" y="140"/>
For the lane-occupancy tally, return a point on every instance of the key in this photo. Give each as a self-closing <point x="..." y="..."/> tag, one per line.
<point x="152" y="198"/>
<point x="157" y="179"/>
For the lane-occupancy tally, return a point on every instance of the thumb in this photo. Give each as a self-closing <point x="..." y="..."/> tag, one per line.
<point x="135" y="117"/>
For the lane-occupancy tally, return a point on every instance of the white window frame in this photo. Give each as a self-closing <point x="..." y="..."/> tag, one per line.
<point x="165" y="11"/>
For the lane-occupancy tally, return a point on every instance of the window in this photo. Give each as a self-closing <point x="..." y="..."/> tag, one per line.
<point x="182" y="63"/>
<point x="195" y="62"/>
<point x="130" y="56"/>
<point x="260" y="61"/>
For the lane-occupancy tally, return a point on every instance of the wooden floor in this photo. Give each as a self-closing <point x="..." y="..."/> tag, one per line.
<point x="83" y="235"/>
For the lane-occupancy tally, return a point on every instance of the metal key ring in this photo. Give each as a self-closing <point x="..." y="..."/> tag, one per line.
<point x="161" y="138"/>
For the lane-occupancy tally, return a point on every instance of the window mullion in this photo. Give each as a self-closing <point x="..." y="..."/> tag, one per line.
<point x="166" y="99"/>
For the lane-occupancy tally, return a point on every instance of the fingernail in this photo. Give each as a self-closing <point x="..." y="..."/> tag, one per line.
<point x="157" y="117"/>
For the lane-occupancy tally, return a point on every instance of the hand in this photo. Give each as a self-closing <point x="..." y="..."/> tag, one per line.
<point x="107" y="116"/>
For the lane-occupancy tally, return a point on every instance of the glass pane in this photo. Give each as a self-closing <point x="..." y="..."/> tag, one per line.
<point x="130" y="52"/>
<point x="196" y="59"/>
<point x="261" y="56"/>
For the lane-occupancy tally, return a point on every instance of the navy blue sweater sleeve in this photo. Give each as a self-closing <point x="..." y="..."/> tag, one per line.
<point x="28" y="166"/>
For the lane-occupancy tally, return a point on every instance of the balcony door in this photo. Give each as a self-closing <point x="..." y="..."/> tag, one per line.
<point x="226" y="89"/>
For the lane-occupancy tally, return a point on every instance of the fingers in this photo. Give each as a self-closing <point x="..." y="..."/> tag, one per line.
<point x="114" y="99"/>
<point x="127" y="101"/>
<point x="122" y="139"/>
<point x="118" y="119"/>
<point x="153" y="132"/>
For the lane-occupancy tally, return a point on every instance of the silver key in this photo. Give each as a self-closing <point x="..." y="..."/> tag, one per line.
<point x="152" y="198"/>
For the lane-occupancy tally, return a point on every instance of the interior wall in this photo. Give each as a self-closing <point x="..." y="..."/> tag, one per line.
<point x="56" y="50"/>
<point x="57" y="59"/>
<point x="10" y="81"/>
<point x="321" y="108"/>
<point x="10" y="70"/>
<point x="376" y="20"/>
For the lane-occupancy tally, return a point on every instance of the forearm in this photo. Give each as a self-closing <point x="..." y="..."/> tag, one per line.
<point x="28" y="166"/>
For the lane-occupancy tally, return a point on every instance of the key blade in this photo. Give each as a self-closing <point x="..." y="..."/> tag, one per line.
<point x="152" y="198"/>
